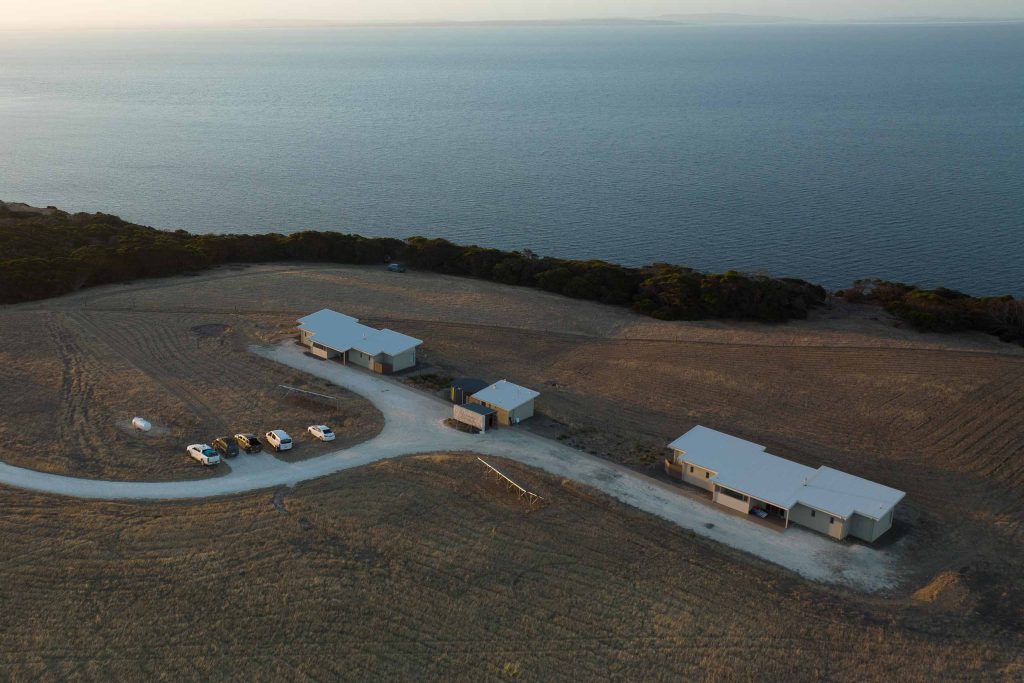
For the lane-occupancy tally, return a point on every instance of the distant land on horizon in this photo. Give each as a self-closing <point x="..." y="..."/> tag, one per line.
<point x="696" y="19"/>
<point x="720" y="18"/>
<point x="707" y="18"/>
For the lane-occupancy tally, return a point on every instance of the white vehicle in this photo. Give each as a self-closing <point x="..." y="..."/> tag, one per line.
<point x="279" y="439"/>
<point x="203" y="453"/>
<point x="322" y="432"/>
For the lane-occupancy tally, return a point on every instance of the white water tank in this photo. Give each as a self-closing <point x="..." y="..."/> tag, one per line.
<point x="141" y="423"/>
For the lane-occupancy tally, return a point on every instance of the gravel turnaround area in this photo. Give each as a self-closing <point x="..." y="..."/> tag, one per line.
<point x="414" y="424"/>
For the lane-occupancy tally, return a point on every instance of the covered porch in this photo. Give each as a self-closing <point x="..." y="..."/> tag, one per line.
<point x="776" y="516"/>
<point x="761" y="510"/>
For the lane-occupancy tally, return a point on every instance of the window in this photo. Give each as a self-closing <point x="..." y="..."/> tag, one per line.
<point x="812" y="513"/>
<point x="831" y="520"/>
<point x="707" y="475"/>
<point x="691" y="469"/>
<point x="733" y="494"/>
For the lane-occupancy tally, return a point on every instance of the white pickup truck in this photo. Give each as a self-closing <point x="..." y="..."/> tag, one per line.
<point x="203" y="453"/>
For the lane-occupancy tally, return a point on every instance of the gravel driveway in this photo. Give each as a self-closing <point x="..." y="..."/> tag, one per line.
<point x="414" y="424"/>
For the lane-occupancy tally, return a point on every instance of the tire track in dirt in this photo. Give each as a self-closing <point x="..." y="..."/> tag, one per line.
<point x="192" y="356"/>
<point x="893" y="423"/>
<point x="185" y="355"/>
<point x="214" y="370"/>
<point x="149" y="355"/>
<point x="992" y="426"/>
<point x="973" y="412"/>
<point x="181" y="358"/>
<point x="533" y="331"/>
<point x="75" y="424"/>
<point x="178" y="281"/>
<point x="982" y="435"/>
<point x="150" y="366"/>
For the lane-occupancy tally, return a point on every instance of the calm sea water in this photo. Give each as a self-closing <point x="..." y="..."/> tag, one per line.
<point x="829" y="153"/>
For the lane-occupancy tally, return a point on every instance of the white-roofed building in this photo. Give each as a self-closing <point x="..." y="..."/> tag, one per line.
<point x="333" y="335"/>
<point x="743" y="476"/>
<point x="510" y="402"/>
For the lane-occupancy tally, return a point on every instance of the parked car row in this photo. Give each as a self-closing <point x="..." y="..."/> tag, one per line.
<point x="229" y="447"/>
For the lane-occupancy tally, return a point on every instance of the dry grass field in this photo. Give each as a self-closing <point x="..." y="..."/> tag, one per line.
<point x="71" y="380"/>
<point x="416" y="568"/>
<point x="425" y="568"/>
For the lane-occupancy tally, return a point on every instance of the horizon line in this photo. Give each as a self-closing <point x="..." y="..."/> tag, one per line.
<point x="707" y="19"/>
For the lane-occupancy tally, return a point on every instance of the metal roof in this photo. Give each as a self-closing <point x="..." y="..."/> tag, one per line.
<point x="506" y="395"/>
<point x="748" y="468"/>
<point x="469" y="384"/>
<point x="342" y="332"/>
<point x="477" y="408"/>
<point x="769" y="478"/>
<point x="718" y="449"/>
<point x="845" y="494"/>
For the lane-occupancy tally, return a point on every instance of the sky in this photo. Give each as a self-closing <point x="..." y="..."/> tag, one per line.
<point x="96" y="13"/>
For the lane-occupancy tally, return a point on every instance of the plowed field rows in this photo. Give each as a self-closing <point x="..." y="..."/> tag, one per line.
<point x="75" y="379"/>
<point x="417" y="568"/>
<point x="424" y="568"/>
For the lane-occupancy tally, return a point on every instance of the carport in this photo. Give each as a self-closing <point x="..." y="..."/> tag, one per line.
<point x="474" y="415"/>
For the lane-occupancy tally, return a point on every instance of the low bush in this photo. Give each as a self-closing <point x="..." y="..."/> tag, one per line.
<point x="48" y="254"/>
<point x="942" y="309"/>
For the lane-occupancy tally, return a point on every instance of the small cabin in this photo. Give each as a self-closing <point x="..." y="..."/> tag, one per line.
<point x="511" y="403"/>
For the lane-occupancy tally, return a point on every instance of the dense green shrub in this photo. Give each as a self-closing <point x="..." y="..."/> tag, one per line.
<point x="44" y="255"/>
<point x="47" y="255"/>
<point x="675" y="293"/>
<point x="942" y="309"/>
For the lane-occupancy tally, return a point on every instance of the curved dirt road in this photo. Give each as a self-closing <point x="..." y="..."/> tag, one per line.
<point x="413" y="424"/>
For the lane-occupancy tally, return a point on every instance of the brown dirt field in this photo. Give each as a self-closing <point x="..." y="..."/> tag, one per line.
<point x="426" y="568"/>
<point x="71" y="380"/>
<point x="937" y="416"/>
<point x="934" y="415"/>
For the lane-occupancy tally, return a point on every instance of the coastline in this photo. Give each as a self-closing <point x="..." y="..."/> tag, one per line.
<point x="85" y="250"/>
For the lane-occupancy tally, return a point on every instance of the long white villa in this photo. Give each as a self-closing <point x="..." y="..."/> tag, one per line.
<point x="743" y="476"/>
<point x="333" y="335"/>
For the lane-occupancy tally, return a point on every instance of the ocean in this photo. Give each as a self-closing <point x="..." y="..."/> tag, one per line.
<point x="824" y="152"/>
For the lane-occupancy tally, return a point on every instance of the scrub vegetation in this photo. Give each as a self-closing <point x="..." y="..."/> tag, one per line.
<point x="943" y="310"/>
<point x="48" y="252"/>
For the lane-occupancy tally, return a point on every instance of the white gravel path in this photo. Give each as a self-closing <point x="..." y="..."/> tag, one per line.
<point x="413" y="423"/>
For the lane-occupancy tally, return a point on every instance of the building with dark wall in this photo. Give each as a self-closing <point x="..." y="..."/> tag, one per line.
<point x="464" y="387"/>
